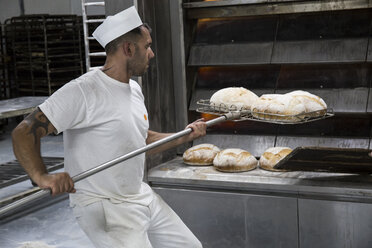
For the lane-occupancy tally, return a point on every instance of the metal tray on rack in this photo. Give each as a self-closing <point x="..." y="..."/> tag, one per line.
<point x="205" y="106"/>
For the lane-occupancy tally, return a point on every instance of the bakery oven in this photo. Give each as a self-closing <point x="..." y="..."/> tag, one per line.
<point x="268" y="47"/>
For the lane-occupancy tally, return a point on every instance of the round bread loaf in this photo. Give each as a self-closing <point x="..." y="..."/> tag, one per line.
<point x="234" y="160"/>
<point x="272" y="156"/>
<point x="294" y="106"/>
<point x="234" y="98"/>
<point x="315" y="106"/>
<point x="202" y="154"/>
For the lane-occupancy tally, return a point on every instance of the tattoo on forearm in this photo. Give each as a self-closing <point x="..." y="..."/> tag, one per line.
<point x="38" y="120"/>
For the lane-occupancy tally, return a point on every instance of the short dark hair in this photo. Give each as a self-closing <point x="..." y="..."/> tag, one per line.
<point x="131" y="36"/>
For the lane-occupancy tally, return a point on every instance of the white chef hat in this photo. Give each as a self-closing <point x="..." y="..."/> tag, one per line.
<point x="117" y="25"/>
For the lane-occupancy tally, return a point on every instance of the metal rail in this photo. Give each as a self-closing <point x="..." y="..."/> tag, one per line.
<point x="43" y="193"/>
<point x="19" y="106"/>
<point x="12" y="172"/>
<point x="239" y="8"/>
<point x="339" y="4"/>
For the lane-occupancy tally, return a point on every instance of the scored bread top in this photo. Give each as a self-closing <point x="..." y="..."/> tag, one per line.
<point x="202" y="154"/>
<point x="310" y="101"/>
<point x="280" y="104"/>
<point x="291" y="104"/>
<point x="234" y="157"/>
<point x="231" y="97"/>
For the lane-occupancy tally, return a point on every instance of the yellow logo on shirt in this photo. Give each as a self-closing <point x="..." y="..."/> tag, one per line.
<point x="144" y="116"/>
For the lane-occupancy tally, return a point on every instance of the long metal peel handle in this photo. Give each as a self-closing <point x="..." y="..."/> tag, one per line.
<point x="85" y="174"/>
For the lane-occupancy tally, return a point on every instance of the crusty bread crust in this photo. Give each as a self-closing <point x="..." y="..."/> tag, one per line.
<point x="234" y="160"/>
<point x="202" y="154"/>
<point x="272" y="156"/>
<point x="292" y="107"/>
<point x="235" y="98"/>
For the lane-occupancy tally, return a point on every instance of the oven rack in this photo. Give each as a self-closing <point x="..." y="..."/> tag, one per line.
<point x="205" y="106"/>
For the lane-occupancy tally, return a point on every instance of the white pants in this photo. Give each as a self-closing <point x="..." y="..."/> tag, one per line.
<point x="128" y="225"/>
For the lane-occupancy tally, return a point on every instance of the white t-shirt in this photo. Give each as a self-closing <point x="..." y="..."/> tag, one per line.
<point x="102" y="119"/>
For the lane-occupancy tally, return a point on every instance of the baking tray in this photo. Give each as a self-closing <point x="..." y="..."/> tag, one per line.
<point x="325" y="159"/>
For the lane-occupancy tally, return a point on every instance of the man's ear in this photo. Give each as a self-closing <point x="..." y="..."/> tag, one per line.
<point x="128" y="49"/>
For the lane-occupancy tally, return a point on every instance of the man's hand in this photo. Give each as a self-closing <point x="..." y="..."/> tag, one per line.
<point x="199" y="129"/>
<point x="58" y="183"/>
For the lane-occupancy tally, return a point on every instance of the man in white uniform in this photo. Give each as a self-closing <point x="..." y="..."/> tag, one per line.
<point x="103" y="116"/>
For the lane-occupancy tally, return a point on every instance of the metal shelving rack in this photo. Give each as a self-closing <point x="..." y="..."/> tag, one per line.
<point x="4" y="83"/>
<point x="3" y="76"/>
<point x="45" y="52"/>
<point x="8" y="58"/>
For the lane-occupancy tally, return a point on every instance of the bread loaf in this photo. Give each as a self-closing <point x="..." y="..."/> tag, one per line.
<point x="234" y="98"/>
<point x="293" y="107"/>
<point x="202" y="154"/>
<point x="272" y="156"/>
<point x="234" y="160"/>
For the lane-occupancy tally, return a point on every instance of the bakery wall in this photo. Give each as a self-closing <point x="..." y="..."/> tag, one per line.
<point x="162" y="86"/>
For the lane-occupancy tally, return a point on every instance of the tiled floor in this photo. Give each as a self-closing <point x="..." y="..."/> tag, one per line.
<point x="51" y="226"/>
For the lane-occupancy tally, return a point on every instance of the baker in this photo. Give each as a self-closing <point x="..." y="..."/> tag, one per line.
<point x="103" y="116"/>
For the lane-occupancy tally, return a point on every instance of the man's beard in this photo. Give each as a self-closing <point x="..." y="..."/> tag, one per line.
<point x="139" y="73"/>
<point x="137" y="69"/>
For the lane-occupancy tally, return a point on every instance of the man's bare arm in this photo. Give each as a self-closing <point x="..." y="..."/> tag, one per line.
<point x="199" y="129"/>
<point x="26" y="146"/>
